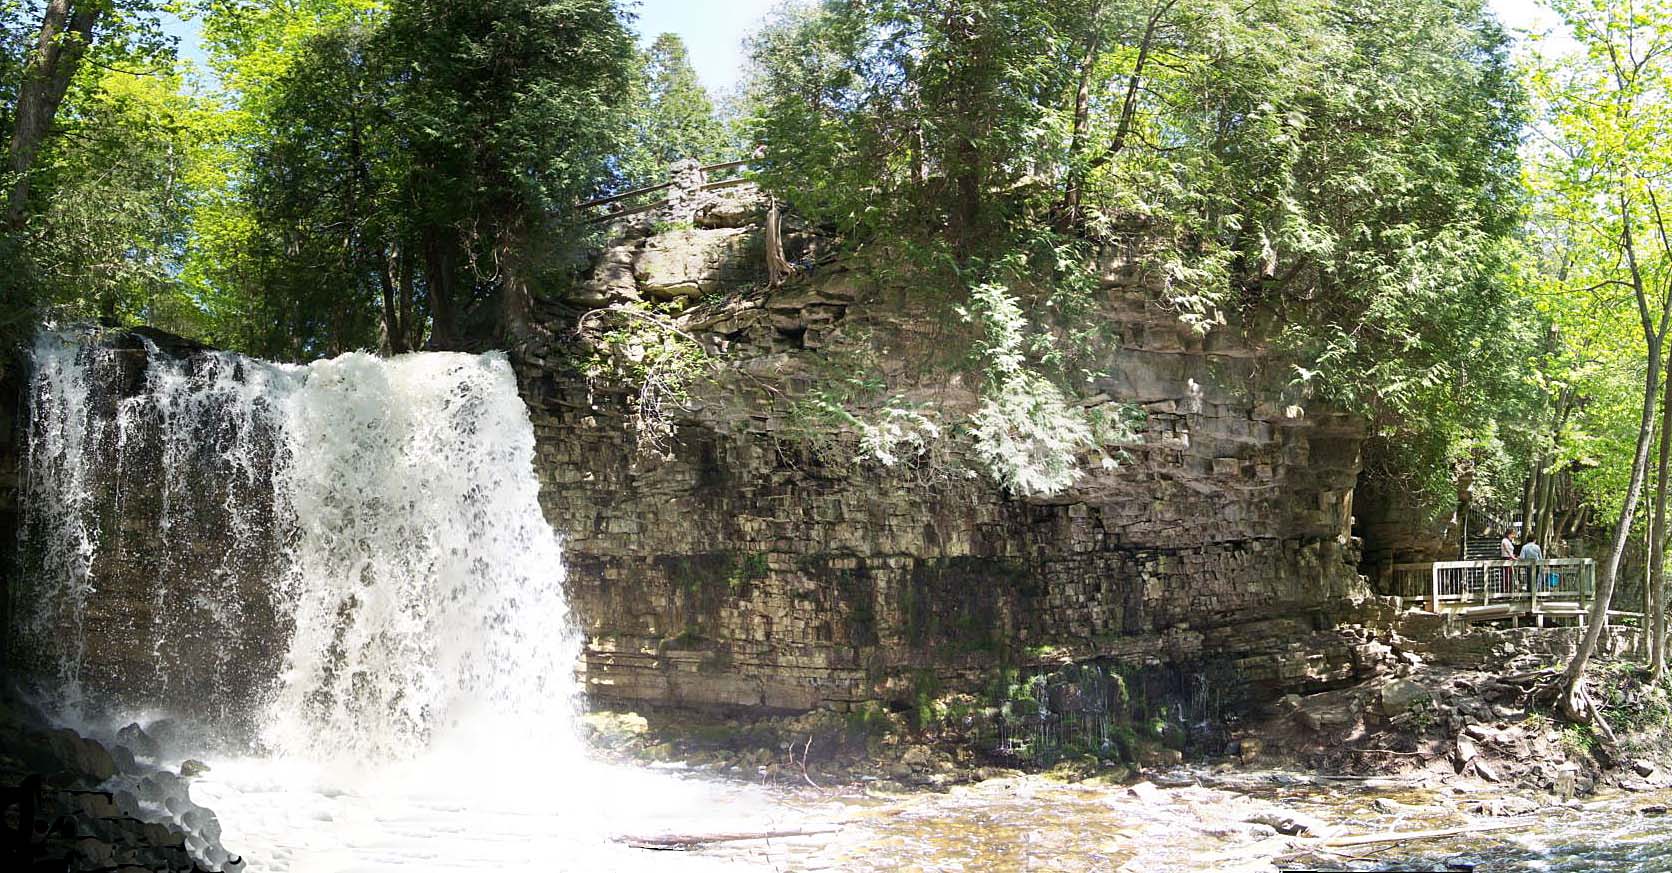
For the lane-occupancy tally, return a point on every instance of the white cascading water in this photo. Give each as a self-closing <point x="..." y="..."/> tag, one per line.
<point x="422" y="712"/>
<point x="425" y="584"/>
<point x="419" y="578"/>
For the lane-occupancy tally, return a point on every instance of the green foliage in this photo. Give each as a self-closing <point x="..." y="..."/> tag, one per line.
<point x="673" y="117"/>
<point x="1597" y="259"/>
<point x="638" y="345"/>
<point x="401" y="173"/>
<point x="1027" y="432"/>
<point x="107" y="215"/>
<point x="1354" y="181"/>
<point x="118" y="214"/>
<point x="1629" y="701"/>
<point x="1422" y="716"/>
<point x="869" y="720"/>
<point x="1578" y="739"/>
<point x="925" y="688"/>
<point x="750" y="567"/>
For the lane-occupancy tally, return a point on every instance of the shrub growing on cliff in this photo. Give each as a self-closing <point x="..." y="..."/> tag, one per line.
<point x="1345" y="169"/>
<point x="1027" y="432"/>
<point x="639" y="345"/>
<point x="1024" y="432"/>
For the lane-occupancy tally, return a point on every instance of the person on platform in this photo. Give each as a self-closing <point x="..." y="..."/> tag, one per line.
<point x="1533" y="557"/>
<point x="1506" y="552"/>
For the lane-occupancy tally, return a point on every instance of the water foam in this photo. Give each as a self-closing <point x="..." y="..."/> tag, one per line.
<point x="379" y="515"/>
<point x="353" y="552"/>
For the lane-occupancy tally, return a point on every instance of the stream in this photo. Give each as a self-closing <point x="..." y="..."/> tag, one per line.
<point x="1196" y="820"/>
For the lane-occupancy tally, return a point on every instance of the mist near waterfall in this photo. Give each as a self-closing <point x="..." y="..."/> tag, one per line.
<point x="341" y="591"/>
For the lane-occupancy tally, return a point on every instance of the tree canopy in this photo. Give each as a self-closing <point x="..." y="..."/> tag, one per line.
<point x="1465" y="250"/>
<point x="1346" y="171"/>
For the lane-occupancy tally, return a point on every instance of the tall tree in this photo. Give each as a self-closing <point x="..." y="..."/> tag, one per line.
<point x="673" y="117"/>
<point x="405" y="172"/>
<point x="66" y="31"/>
<point x="510" y="111"/>
<point x="1611" y="108"/>
<point x="1657" y="539"/>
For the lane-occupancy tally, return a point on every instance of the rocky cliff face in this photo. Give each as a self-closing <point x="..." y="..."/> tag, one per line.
<point x="744" y="552"/>
<point x="136" y="580"/>
<point x="749" y="564"/>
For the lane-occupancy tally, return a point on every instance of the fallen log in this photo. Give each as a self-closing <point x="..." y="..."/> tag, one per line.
<point x="1402" y="836"/>
<point x="682" y="842"/>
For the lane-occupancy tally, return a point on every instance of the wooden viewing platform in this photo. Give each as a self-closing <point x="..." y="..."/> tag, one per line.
<point x="1476" y="591"/>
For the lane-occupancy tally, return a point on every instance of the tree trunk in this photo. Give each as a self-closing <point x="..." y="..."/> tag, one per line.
<point x="63" y="39"/>
<point x="1134" y="83"/>
<point x="1657" y="548"/>
<point x="1546" y="504"/>
<point x="1574" y="701"/>
<point x="516" y="297"/>
<point x="516" y="308"/>
<point x="1574" y="679"/>
<point x="1549" y="522"/>
<point x="394" y="334"/>
<point x="441" y="272"/>
<point x="412" y="326"/>
<point x="1082" y="118"/>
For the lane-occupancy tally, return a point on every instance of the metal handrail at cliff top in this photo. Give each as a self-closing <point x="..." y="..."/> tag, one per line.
<point x="1554" y="586"/>
<point x="704" y="185"/>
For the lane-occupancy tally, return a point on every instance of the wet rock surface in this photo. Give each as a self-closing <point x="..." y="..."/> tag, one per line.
<point x="74" y="803"/>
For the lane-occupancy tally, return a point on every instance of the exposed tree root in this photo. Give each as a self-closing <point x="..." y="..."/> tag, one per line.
<point x="1573" y="703"/>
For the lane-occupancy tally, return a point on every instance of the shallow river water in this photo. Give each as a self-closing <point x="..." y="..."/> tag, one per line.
<point x="302" y="819"/>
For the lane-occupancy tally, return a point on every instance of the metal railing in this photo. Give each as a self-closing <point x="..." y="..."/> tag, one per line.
<point x="1471" y="583"/>
<point x="617" y="203"/>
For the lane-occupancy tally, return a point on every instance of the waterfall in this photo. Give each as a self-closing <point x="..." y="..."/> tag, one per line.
<point x="345" y="559"/>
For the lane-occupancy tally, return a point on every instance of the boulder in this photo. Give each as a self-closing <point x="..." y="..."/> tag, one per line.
<point x="916" y="756"/>
<point x="1508" y="805"/>
<point x="134" y="737"/>
<point x="737" y="207"/>
<point x="1466" y="752"/>
<point x="1292" y="824"/>
<point x="1159" y="756"/>
<point x="124" y="758"/>
<point x="1147" y="792"/>
<point x="1400" y="695"/>
<point x="1325" y="712"/>
<point x="692" y="263"/>
<point x="1487" y="771"/>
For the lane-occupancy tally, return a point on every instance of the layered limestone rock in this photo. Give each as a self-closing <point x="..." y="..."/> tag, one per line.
<point x="752" y="560"/>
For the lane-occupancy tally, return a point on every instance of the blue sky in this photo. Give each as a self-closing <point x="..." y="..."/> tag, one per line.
<point x="714" y="30"/>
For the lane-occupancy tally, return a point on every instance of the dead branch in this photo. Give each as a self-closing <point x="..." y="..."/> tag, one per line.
<point x="684" y="842"/>
<point x="1402" y="836"/>
<point x="803" y="762"/>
